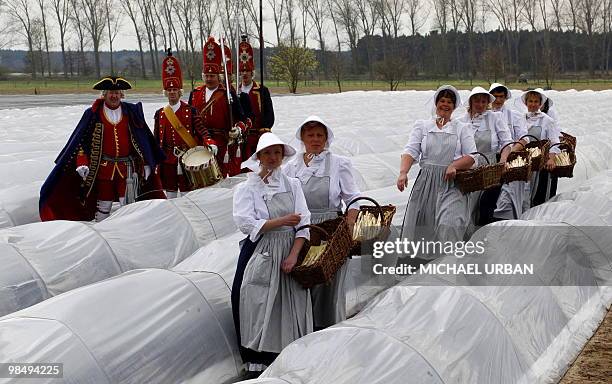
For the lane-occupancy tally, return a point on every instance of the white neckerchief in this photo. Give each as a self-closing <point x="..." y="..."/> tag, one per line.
<point x="479" y="117"/>
<point x="307" y="171"/>
<point x="246" y="88"/>
<point x="269" y="189"/>
<point x="535" y="114"/>
<point x="441" y="119"/>
<point x="176" y="106"/>
<point x="209" y="93"/>
<point x="113" y="115"/>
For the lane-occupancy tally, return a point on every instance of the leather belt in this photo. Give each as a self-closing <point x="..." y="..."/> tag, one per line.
<point x="125" y="159"/>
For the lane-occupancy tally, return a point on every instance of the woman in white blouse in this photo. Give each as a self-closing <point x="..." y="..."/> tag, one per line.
<point x="510" y="201"/>
<point x="270" y="308"/>
<point x="437" y="210"/>
<point x="327" y="181"/>
<point x="490" y="136"/>
<point x="541" y="126"/>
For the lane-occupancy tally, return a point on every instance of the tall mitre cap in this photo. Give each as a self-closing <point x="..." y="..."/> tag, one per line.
<point x="246" y="55"/>
<point x="212" y="59"/>
<point x="172" y="76"/>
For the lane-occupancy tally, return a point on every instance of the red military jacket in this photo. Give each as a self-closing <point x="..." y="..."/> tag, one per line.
<point x="116" y="142"/>
<point x="168" y="138"/>
<point x="215" y="113"/>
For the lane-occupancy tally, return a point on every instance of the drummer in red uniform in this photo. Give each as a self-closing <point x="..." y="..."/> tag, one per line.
<point x="178" y="127"/>
<point x="211" y="102"/>
<point x="259" y="100"/>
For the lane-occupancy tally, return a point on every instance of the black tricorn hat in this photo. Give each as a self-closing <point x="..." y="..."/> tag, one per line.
<point x="112" y="83"/>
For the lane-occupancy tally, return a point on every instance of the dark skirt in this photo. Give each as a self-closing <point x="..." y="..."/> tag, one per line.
<point x="247" y="249"/>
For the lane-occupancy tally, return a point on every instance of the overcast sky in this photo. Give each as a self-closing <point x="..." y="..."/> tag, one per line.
<point x="126" y="38"/>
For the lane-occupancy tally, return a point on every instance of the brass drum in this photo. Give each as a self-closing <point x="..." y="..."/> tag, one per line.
<point x="201" y="167"/>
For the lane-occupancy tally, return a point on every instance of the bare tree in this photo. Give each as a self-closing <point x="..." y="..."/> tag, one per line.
<point x="113" y="24"/>
<point x="95" y="21"/>
<point x="503" y="13"/>
<point x="441" y="16"/>
<point x="417" y="14"/>
<point x="250" y="15"/>
<point x="530" y="12"/>
<point x="469" y="15"/>
<point x="391" y="70"/>
<point x="346" y="17"/>
<point x="146" y="10"/>
<point x="588" y="22"/>
<point x="19" y="11"/>
<point x="306" y="24"/>
<point x="441" y="12"/>
<point x="38" y="40"/>
<point x="558" y="7"/>
<point x="207" y="13"/>
<point x="43" y="15"/>
<point x="130" y="9"/>
<point x="78" y="23"/>
<point x="573" y="10"/>
<point x="291" y="20"/>
<point x="278" y="14"/>
<point x="62" y="12"/>
<point x="392" y="11"/>
<point x="184" y="12"/>
<point x="317" y="9"/>
<point x="6" y="29"/>
<point x="165" y="17"/>
<point x="606" y="30"/>
<point x="336" y="64"/>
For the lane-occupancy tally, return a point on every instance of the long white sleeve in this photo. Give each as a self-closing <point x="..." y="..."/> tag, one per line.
<point x="348" y="188"/>
<point x="413" y="147"/>
<point x="245" y="214"/>
<point x="503" y="132"/>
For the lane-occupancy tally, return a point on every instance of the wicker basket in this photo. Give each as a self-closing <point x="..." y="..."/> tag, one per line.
<point x="566" y="138"/>
<point x="517" y="173"/>
<point x="387" y="212"/>
<point x="481" y="178"/>
<point x="336" y="232"/>
<point x="538" y="162"/>
<point x="565" y="170"/>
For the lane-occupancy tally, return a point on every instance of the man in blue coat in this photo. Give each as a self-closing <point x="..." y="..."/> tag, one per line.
<point x="111" y="156"/>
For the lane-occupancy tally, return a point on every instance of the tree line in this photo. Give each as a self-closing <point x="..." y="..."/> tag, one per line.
<point x="331" y="39"/>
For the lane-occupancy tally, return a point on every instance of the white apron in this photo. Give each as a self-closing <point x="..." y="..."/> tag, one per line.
<point x="532" y="186"/>
<point x="328" y="300"/>
<point x="274" y="308"/>
<point x="437" y="210"/>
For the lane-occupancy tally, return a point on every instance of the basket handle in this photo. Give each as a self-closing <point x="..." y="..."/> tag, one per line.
<point x="364" y="198"/>
<point x="569" y="147"/>
<point x="481" y="154"/>
<point x="512" y="142"/>
<point x="312" y="226"/>
<point x="535" y="138"/>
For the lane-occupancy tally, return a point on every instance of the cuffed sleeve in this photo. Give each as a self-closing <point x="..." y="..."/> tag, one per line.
<point x="244" y="213"/>
<point x="468" y="145"/>
<point x="348" y="187"/>
<point x="504" y="136"/>
<point x="553" y="135"/>
<point x="413" y="147"/>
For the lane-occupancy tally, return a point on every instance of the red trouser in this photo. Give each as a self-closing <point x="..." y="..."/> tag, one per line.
<point x="111" y="190"/>
<point x="171" y="181"/>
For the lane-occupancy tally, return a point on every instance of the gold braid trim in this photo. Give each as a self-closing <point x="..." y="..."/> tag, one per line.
<point x="135" y="144"/>
<point x="95" y="155"/>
